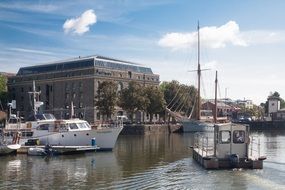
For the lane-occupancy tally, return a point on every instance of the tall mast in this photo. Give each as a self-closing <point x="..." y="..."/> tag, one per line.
<point x="215" y="109"/>
<point x="199" y="77"/>
<point x="34" y="95"/>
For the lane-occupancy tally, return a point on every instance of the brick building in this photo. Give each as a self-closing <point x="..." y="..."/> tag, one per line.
<point x="75" y="80"/>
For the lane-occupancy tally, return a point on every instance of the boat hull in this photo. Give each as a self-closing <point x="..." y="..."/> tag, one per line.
<point x="7" y="149"/>
<point x="105" y="138"/>
<point x="190" y="126"/>
<point x="212" y="162"/>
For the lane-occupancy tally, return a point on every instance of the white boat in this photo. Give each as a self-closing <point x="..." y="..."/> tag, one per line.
<point x="229" y="146"/>
<point x="7" y="148"/>
<point x="71" y="132"/>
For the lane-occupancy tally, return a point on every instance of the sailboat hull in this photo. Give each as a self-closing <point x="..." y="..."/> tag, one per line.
<point x="191" y="126"/>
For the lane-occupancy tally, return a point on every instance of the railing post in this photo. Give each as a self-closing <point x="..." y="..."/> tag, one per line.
<point x="251" y="146"/>
<point x="207" y="146"/>
<point x="258" y="147"/>
<point x="202" y="146"/>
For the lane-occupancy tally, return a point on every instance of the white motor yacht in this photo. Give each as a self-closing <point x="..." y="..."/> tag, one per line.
<point x="71" y="132"/>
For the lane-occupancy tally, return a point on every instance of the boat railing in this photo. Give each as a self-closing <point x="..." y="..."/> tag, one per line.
<point x="202" y="143"/>
<point x="254" y="148"/>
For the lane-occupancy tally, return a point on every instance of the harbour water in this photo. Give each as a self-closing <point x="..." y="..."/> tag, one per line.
<point x="143" y="162"/>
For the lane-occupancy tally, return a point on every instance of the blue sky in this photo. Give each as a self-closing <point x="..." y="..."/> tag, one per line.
<point x="243" y="40"/>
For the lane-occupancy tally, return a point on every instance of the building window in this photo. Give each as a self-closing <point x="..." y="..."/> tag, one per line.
<point x="73" y="87"/>
<point x="139" y="77"/>
<point x="67" y="87"/>
<point x="130" y="74"/>
<point x="98" y="115"/>
<point x="80" y="86"/>
<point x="22" y="89"/>
<point x="121" y="75"/>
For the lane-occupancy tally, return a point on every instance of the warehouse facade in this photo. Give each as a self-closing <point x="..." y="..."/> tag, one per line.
<point x="75" y="80"/>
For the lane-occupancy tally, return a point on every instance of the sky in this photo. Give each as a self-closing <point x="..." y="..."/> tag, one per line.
<point x="243" y="40"/>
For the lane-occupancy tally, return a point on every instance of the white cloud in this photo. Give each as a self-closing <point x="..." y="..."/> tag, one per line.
<point x="30" y="51"/>
<point x="81" y="24"/>
<point x="255" y="37"/>
<point x="212" y="65"/>
<point x="212" y="37"/>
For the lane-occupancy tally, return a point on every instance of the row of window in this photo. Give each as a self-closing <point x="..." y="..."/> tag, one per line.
<point x="130" y="75"/>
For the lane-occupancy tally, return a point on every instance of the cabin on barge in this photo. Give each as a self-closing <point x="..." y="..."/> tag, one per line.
<point x="230" y="146"/>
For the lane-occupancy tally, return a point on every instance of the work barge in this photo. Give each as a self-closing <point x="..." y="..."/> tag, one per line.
<point x="230" y="146"/>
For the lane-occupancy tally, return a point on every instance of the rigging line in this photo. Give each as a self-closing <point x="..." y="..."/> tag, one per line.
<point x="192" y="110"/>
<point x="182" y="98"/>
<point x="174" y="96"/>
<point x="180" y="103"/>
<point x="203" y="86"/>
<point x="184" y="104"/>
<point x="187" y="100"/>
<point x="195" y="99"/>
<point x="220" y="96"/>
<point x="187" y="95"/>
<point x="174" y="104"/>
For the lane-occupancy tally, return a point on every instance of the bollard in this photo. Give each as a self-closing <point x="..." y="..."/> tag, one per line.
<point x="93" y="141"/>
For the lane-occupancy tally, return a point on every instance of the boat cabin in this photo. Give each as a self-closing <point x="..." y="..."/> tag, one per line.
<point x="231" y="139"/>
<point x="228" y="147"/>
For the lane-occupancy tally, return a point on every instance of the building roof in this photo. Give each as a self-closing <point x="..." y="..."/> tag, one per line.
<point x="219" y="104"/>
<point x="85" y="62"/>
<point x="7" y="74"/>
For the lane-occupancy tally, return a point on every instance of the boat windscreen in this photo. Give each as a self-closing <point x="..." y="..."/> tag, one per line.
<point x="49" y="116"/>
<point x="83" y="125"/>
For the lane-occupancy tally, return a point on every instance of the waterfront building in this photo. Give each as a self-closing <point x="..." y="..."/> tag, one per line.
<point x="76" y="80"/>
<point x="273" y="107"/>
<point x="246" y="103"/>
<point x="222" y="108"/>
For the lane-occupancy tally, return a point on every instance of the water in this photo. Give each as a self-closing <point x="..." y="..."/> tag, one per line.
<point x="143" y="162"/>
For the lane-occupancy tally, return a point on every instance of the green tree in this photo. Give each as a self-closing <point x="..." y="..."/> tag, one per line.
<point x="133" y="99"/>
<point x="3" y="92"/>
<point x="106" y="98"/>
<point x="156" y="100"/>
<point x="179" y="97"/>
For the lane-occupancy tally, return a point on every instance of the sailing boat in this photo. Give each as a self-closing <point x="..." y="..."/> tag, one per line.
<point x="198" y="125"/>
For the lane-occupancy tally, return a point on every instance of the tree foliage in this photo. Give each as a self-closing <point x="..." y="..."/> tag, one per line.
<point x="3" y="91"/>
<point x="156" y="100"/>
<point x="179" y="97"/>
<point x="106" y="98"/>
<point x="133" y="99"/>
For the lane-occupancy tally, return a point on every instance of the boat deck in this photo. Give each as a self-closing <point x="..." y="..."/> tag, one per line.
<point x="62" y="149"/>
<point x="211" y="162"/>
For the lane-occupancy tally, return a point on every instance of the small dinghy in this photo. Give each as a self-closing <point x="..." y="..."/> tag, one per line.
<point x="38" y="151"/>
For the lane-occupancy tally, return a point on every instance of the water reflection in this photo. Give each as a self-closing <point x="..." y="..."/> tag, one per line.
<point x="143" y="162"/>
